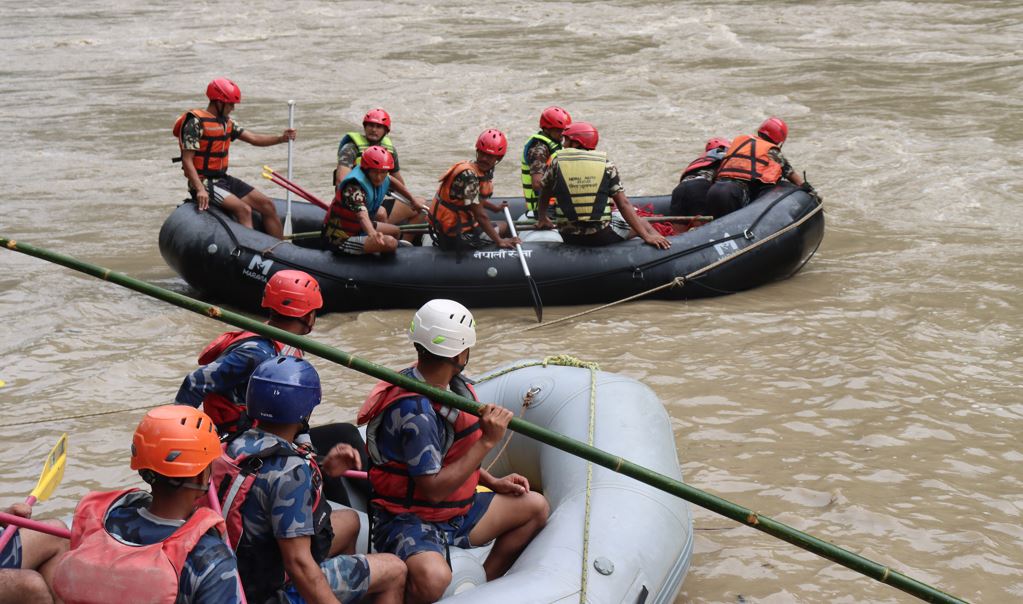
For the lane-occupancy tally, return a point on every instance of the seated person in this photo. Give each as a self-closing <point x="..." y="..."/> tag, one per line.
<point x="28" y="560"/>
<point x="582" y="182"/>
<point x="356" y="221"/>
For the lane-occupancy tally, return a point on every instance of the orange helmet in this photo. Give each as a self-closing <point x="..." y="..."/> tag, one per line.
<point x="176" y="441"/>
<point x="292" y="293"/>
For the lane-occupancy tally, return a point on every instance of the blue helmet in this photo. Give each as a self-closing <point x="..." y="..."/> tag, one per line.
<point x="283" y="390"/>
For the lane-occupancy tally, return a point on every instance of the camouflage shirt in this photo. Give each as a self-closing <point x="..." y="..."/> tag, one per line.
<point x="228" y="375"/>
<point x="537" y="157"/>
<point x="412" y="434"/>
<point x="349" y="152"/>
<point x="550" y="179"/>
<point x="191" y="133"/>
<point x="466" y="187"/>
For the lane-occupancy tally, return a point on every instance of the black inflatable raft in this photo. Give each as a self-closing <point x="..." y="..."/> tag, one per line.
<point x="770" y="239"/>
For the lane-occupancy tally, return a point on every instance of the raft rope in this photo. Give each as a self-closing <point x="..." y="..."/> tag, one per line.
<point x="687" y="279"/>
<point x="564" y="360"/>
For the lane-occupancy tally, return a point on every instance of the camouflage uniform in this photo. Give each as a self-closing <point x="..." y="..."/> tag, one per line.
<point x="191" y="134"/>
<point x="412" y="433"/>
<point x="584" y="228"/>
<point x="228" y="375"/>
<point x="10" y="557"/>
<point x="280" y="506"/>
<point x="537" y="157"/>
<point x="353" y="198"/>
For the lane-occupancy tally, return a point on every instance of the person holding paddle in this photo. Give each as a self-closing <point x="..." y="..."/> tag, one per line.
<point x="133" y="546"/>
<point x="583" y="182"/>
<point x="291" y="546"/>
<point x="205" y="137"/>
<point x="28" y="560"/>
<point x="457" y="218"/>
<point x="219" y="383"/>
<point x="426" y="464"/>
<point x="356" y="221"/>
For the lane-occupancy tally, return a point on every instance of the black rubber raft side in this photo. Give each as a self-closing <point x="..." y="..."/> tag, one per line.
<point x="770" y="239"/>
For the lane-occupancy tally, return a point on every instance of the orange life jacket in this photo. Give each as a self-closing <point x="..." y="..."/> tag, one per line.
<point x="100" y="569"/>
<point x="450" y="217"/>
<point x="393" y="488"/>
<point x="747" y="159"/>
<point x="211" y="158"/>
<point x="224" y="412"/>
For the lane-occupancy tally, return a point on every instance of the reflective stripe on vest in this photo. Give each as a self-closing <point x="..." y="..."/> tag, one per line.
<point x="582" y="187"/>
<point x="527" y="179"/>
<point x="211" y="159"/>
<point x="747" y="159"/>
<point x="450" y="217"/>
<point x="362" y="143"/>
<point x="393" y="488"/>
<point x="341" y="217"/>
<point x="100" y="569"/>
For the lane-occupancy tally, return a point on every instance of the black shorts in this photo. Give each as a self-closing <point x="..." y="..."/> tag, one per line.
<point x="222" y="186"/>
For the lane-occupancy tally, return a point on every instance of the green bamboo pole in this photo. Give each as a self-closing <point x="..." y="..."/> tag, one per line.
<point x="617" y="464"/>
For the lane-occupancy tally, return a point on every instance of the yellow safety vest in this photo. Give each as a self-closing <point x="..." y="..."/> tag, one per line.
<point x="582" y="188"/>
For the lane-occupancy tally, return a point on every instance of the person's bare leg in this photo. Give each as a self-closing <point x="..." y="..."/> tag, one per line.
<point x="428" y="577"/>
<point x="346" y="531"/>
<point x="259" y="202"/>
<point x="513" y="521"/>
<point x="23" y="587"/>
<point x="386" y="578"/>
<point x="40" y="551"/>
<point x="237" y="208"/>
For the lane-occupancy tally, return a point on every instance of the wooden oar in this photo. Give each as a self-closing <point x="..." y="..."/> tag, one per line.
<point x="291" y="145"/>
<point x="611" y="461"/>
<point x="53" y="472"/>
<point x="533" y="289"/>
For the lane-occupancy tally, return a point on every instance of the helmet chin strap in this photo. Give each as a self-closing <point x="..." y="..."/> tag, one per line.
<point x="460" y="366"/>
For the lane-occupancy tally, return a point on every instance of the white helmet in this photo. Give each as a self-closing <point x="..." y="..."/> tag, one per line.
<point x="444" y="327"/>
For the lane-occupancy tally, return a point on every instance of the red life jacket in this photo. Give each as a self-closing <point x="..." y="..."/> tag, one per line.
<point x="100" y="569"/>
<point x="211" y="158"/>
<point x="222" y="410"/>
<point x="710" y="159"/>
<point x="450" y="217"/>
<point x="262" y="569"/>
<point x="747" y="159"/>
<point x="393" y="488"/>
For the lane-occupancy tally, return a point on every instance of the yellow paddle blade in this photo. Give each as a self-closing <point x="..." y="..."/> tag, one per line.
<point x="268" y="169"/>
<point x="53" y="470"/>
<point x="268" y="175"/>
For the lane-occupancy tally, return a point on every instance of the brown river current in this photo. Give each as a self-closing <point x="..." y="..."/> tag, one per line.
<point x="872" y="400"/>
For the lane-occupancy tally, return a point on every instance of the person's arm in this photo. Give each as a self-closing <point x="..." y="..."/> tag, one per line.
<point x="216" y="580"/>
<point x="543" y="221"/>
<point x="642" y="227"/>
<point x="396" y="176"/>
<point x="189" y="143"/>
<point x="305" y="573"/>
<point x="437" y="487"/>
<point x="512" y="484"/>
<point x="224" y="374"/>
<point x="418" y="203"/>
<point x="488" y="228"/>
<point x="266" y="140"/>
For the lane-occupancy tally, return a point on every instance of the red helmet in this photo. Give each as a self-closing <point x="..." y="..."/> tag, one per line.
<point x="377" y="116"/>
<point x="223" y="89"/>
<point x="377" y="158"/>
<point x="583" y="133"/>
<point x="555" y="117"/>
<point x="774" y="129"/>
<point x="717" y="141"/>
<point x="492" y="141"/>
<point x="292" y="293"/>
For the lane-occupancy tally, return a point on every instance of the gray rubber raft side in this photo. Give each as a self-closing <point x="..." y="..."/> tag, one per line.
<point x="769" y="239"/>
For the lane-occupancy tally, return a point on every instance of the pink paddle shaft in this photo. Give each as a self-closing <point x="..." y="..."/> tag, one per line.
<point x="13" y="528"/>
<point x="32" y="525"/>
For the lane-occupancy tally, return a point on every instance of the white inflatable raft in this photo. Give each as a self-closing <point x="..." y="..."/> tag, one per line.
<point x="639" y="540"/>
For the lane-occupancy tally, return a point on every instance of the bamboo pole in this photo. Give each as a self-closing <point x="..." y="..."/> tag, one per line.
<point x="614" y="463"/>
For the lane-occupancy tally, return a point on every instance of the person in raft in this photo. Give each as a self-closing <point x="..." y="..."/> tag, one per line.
<point x="426" y="464"/>
<point x="583" y="182"/>
<point x="751" y="165"/>
<point x="689" y="198"/>
<point x="356" y="222"/>
<point x="133" y="546"/>
<point x="456" y="217"/>
<point x="226" y="364"/>
<point x="375" y="132"/>
<point x="538" y="150"/>
<point x="291" y="547"/>
<point x="28" y="560"/>
<point x="205" y="137"/>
